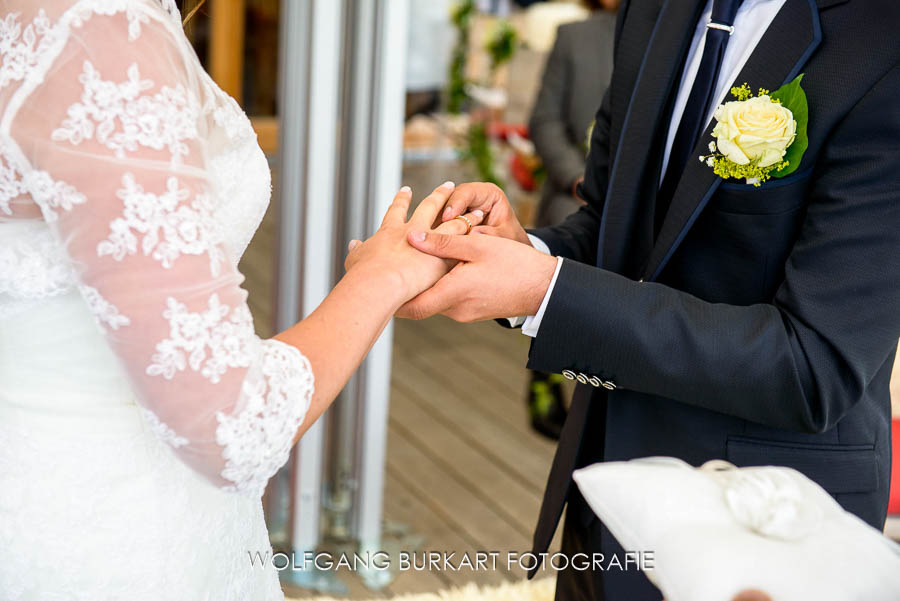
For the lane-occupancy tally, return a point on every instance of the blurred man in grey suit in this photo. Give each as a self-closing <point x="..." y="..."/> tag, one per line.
<point x="576" y="76"/>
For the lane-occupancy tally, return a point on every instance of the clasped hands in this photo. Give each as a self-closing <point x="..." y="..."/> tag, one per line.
<point x="437" y="268"/>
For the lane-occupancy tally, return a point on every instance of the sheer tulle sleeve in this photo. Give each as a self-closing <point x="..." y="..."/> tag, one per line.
<point x="113" y="134"/>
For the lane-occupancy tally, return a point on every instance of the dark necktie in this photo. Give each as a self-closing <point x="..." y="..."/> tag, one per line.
<point x="693" y="119"/>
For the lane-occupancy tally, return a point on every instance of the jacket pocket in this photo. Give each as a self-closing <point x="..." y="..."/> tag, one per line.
<point x="774" y="197"/>
<point x="836" y="468"/>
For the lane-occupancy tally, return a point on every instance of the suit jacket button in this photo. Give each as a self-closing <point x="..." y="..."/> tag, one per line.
<point x="595" y="381"/>
<point x="568" y="374"/>
<point x="608" y="384"/>
<point x="582" y="378"/>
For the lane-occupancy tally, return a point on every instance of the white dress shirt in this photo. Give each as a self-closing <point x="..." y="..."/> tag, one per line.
<point x="752" y="20"/>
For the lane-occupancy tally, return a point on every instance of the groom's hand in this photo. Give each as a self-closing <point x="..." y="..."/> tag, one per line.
<point x="500" y="219"/>
<point x="495" y="277"/>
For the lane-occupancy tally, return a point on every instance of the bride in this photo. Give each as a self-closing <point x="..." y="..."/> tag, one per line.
<point x="140" y="416"/>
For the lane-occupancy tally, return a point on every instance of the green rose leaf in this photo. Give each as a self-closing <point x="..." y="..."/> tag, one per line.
<point x="792" y="97"/>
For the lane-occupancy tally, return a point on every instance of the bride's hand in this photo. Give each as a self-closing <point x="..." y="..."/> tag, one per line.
<point x="388" y="254"/>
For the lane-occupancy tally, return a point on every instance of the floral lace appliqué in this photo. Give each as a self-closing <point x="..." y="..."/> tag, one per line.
<point x="50" y="194"/>
<point x="21" y="48"/>
<point x="33" y="265"/>
<point x="257" y="441"/>
<point x="209" y="342"/>
<point x="11" y="184"/>
<point x="106" y="313"/>
<point x="229" y="116"/>
<point x="135" y="14"/>
<point x="161" y="430"/>
<point x="122" y="117"/>
<point x="167" y="224"/>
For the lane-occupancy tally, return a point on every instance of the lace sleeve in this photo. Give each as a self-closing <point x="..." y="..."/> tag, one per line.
<point x="113" y="137"/>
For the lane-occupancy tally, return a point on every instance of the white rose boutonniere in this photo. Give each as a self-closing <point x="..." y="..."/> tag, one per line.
<point x="759" y="137"/>
<point x="757" y="129"/>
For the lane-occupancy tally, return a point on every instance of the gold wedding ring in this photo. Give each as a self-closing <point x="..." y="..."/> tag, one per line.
<point x="468" y="223"/>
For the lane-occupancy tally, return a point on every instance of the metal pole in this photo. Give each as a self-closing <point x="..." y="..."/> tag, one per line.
<point x="293" y="63"/>
<point x="309" y="245"/>
<point x="323" y="95"/>
<point x="370" y="163"/>
<point x="293" y="59"/>
<point x="354" y="188"/>
<point x="389" y="101"/>
<point x="309" y="52"/>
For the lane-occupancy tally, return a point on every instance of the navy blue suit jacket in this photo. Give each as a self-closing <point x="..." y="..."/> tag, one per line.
<point x="760" y="326"/>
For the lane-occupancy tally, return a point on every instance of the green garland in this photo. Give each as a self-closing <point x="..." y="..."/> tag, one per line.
<point x="478" y="151"/>
<point x="502" y="45"/>
<point x="462" y="20"/>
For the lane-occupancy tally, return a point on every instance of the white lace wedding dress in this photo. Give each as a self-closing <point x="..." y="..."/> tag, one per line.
<point x="140" y="416"/>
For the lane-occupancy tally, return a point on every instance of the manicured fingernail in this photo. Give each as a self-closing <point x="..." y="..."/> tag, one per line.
<point x="418" y="236"/>
<point x="448" y="211"/>
<point x="478" y="213"/>
<point x="354" y="244"/>
<point x="406" y="190"/>
<point x="448" y="185"/>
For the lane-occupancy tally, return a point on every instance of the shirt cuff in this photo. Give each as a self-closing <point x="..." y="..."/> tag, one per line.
<point x="515" y="322"/>
<point x="539" y="244"/>
<point x="533" y="323"/>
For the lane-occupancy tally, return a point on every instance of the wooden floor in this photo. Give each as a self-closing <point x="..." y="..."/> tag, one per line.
<point x="462" y="457"/>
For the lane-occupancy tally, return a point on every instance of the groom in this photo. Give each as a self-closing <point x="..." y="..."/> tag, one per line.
<point x="706" y="318"/>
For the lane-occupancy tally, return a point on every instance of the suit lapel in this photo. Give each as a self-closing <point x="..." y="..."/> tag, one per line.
<point x="783" y="50"/>
<point x="623" y="227"/>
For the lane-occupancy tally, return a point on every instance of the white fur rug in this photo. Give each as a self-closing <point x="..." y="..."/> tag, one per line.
<point x="525" y="590"/>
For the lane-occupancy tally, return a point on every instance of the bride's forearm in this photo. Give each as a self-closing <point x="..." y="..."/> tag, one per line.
<point x="338" y="334"/>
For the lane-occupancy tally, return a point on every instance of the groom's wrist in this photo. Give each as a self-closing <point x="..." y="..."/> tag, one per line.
<point x="532" y="323"/>
<point x="545" y="268"/>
